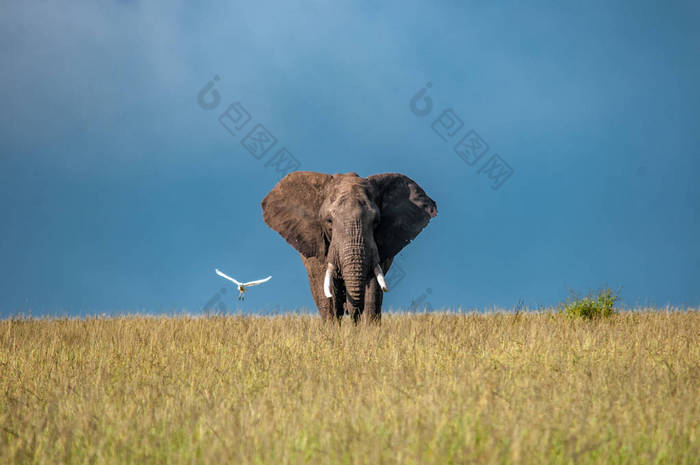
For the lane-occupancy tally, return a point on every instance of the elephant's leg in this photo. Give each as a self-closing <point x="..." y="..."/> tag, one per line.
<point x="374" y="296"/>
<point x="316" y="272"/>
<point x="339" y="299"/>
<point x="373" y="302"/>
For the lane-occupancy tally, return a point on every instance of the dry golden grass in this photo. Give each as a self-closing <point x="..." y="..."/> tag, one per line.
<point x="440" y="388"/>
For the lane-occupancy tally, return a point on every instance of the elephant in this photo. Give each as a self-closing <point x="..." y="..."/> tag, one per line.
<point x="347" y="230"/>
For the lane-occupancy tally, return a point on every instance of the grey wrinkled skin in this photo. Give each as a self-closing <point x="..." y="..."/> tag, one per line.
<point x="352" y="222"/>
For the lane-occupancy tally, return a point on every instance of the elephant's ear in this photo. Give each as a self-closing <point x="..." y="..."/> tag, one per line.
<point x="405" y="210"/>
<point x="291" y="208"/>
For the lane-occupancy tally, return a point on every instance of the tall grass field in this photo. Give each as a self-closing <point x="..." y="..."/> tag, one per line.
<point x="436" y="388"/>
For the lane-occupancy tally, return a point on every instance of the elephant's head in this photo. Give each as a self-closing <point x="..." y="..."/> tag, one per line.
<point x="352" y="224"/>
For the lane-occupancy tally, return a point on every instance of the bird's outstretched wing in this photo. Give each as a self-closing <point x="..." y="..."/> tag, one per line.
<point x="227" y="277"/>
<point x="255" y="283"/>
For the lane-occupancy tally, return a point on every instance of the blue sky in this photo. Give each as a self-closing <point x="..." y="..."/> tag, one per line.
<point x="119" y="193"/>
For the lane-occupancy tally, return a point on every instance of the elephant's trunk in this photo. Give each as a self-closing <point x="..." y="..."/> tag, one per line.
<point x="353" y="263"/>
<point x="354" y="272"/>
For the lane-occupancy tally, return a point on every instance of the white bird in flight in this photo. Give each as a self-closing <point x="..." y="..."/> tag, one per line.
<point x="242" y="286"/>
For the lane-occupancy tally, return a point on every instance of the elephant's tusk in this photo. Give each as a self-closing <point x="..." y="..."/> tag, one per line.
<point x="327" y="280"/>
<point x="380" y="278"/>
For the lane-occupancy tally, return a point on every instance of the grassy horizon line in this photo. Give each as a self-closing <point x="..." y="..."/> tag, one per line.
<point x="314" y="312"/>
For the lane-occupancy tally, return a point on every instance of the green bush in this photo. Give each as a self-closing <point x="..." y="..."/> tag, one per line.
<point x="591" y="306"/>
